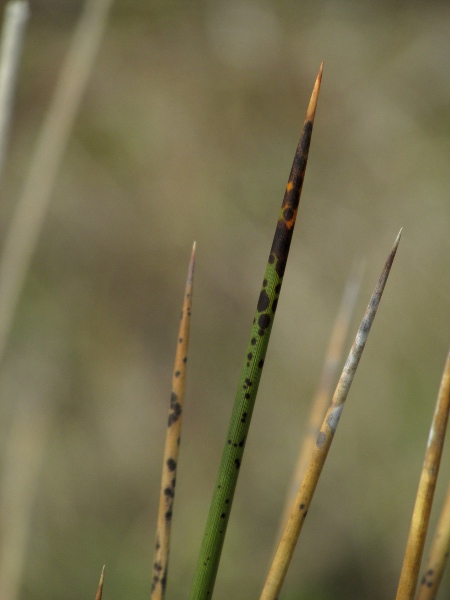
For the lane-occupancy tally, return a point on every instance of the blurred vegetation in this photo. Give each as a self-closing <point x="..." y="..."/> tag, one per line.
<point x="187" y="132"/>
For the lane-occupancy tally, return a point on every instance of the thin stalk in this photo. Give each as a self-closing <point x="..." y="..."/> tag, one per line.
<point x="305" y="494"/>
<point x="98" y="595"/>
<point x="439" y="553"/>
<point x="424" y="499"/>
<point x="171" y="450"/>
<point x="16" y="16"/>
<point x="23" y="233"/>
<point x="219" y="512"/>
<point x="322" y="397"/>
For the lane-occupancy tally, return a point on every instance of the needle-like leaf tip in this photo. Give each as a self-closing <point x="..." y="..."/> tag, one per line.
<point x="98" y="596"/>
<point x="191" y="265"/>
<point x="311" y="112"/>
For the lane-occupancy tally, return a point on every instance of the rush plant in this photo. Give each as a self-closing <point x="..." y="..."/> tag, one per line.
<point x="318" y="440"/>
<point x="326" y="410"/>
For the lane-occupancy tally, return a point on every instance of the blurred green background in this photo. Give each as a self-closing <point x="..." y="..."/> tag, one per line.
<point x="187" y="132"/>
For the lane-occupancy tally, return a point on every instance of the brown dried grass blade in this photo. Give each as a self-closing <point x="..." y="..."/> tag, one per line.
<point x="305" y="494"/>
<point x="171" y="450"/>
<point x="322" y="397"/>
<point x="439" y="553"/>
<point x="98" y="595"/>
<point x="424" y="500"/>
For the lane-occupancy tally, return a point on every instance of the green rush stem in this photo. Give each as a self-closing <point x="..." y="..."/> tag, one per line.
<point x="217" y="522"/>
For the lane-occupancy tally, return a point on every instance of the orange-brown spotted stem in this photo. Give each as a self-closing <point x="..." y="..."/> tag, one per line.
<point x="305" y="494"/>
<point x="167" y="495"/>
<point x="98" y="595"/>
<point x="439" y="553"/>
<point x="424" y="499"/>
<point x="244" y="402"/>
<point x="327" y="382"/>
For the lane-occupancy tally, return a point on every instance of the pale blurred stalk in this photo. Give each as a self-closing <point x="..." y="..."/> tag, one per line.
<point x="15" y="18"/>
<point x="23" y="233"/>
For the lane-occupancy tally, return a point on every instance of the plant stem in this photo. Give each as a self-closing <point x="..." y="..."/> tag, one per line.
<point x="439" y="553"/>
<point x="23" y="233"/>
<point x="16" y="16"/>
<point x="172" y="447"/>
<point x="305" y="494"/>
<point x="98" y="595"/>
<point x="323" y="395"/>
<point x="217" y="522"/>
<point x="424" y="499"/>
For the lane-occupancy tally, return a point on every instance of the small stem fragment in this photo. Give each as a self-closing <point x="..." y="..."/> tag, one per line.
<point x="424" y="499"/>
<point x="305" y="494"/>
<point x="439" y="553"/>
<point x="172" y="446"/>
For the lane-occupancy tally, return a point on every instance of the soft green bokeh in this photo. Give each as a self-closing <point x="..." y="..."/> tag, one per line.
<point x="187" y="132"/>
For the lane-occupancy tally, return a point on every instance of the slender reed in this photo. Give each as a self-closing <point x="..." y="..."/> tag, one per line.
<point x="16" y="16"/>
<point x="333" y="359"/>
<point x="219" y="512"/>
<point x="98" y="595"/>
<point x="439" y="553"/>
<point x="171" y="450"/>
<point x="305" y="494"/>
<point x="424" y="499"/>
<point x="31" y="209"/>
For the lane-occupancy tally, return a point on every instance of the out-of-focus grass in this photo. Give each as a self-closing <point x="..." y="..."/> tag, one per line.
<point x="187" y="132"/>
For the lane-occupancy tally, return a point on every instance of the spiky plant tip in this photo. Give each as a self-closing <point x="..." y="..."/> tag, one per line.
<point x="172" y="444"/>
<point x="300" y="507"/>
<point x="324" y="392"/>
<point x="222" y="500"/>
<point x="311" y="111"/>
<point x="99" y="593"/>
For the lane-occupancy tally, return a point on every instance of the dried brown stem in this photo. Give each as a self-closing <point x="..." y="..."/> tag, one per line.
<point x="333" y="359"/>
<point x="305" y="494"/>
<point x="439" y="553"/>
<point x="424" y="499"/>
<point x="171" y="450"/>
<point x="98" y="595"/>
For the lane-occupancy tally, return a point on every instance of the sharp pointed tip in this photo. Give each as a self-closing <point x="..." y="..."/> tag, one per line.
<point x="191" y="267"/>
<point x="320" y="70"/>
<point x="397" y="240"/>
<point x="310" y="114"/>
<point x="100" y="585"/>
<point x="194" y="249"/>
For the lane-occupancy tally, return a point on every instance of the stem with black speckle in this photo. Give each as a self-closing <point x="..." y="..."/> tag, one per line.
<point x="172" y="446"/>
<point x="217" y="522"/>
